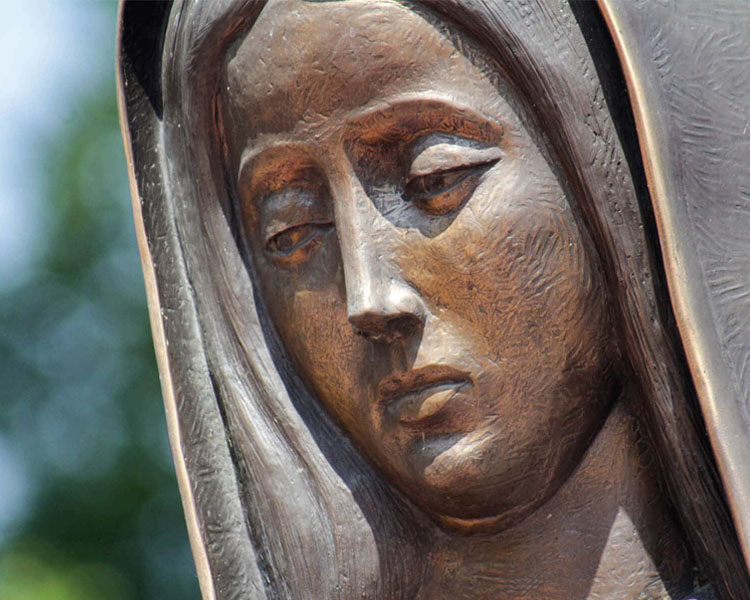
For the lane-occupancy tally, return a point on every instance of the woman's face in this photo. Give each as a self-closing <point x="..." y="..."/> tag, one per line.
<point x="417" y="254"/>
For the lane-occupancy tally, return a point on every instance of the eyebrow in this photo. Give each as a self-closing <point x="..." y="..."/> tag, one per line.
<point x="257" y="152"/>
<point x="393" y="115"/>
<point x="385" y="120"/>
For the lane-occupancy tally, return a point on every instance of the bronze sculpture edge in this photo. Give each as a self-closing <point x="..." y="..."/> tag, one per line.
<point x="197" y="547"/>
<point x="719" y="404"/>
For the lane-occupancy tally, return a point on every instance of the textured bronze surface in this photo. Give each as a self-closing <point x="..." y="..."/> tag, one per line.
<point x="407" y="288"/>
<point x="688" y="76"/>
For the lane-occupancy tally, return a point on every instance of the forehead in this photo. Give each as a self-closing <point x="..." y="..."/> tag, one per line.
<point x="304" y="62"/>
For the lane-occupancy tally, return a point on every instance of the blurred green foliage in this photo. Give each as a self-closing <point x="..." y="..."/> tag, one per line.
<point x="82" y="409"/>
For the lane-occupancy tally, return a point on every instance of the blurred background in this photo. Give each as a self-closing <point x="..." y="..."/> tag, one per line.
<point x="89" y="507"/>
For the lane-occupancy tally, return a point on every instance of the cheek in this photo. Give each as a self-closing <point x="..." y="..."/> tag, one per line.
<point x="512" y="274"/>
<point x="303" y="301"/>
<point x="309" y="313"/>
<point x="311" y="323"/>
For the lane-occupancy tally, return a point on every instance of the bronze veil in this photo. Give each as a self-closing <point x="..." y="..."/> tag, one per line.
<point x="652" y="140"/>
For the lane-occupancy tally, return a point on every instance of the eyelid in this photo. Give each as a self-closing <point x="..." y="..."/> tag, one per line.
<point x="273" y="227"/>
<point x="318" y="226"/>
<point x="278" y="227"/>
<point x="292" y="206"/>
<point x="447" y="157"/>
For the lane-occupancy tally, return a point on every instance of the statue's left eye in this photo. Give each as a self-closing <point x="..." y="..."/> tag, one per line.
<point x="442" y="192"/>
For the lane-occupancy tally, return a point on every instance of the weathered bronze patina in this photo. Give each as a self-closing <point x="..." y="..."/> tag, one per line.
<point x="450" y="298"/>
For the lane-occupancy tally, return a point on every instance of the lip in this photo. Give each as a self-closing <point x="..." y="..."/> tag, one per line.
<point x="416" y="395"/>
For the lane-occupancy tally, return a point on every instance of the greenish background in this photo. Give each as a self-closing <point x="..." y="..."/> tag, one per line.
<point x="89" y="507"/>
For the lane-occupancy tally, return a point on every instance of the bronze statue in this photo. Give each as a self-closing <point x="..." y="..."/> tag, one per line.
<point x="433" y="321"/>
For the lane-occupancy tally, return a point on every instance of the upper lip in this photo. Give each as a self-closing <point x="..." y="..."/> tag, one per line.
<point x="399" y="384"/>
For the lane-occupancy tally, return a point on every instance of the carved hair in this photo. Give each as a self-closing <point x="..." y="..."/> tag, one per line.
<point x="262" y="453"/>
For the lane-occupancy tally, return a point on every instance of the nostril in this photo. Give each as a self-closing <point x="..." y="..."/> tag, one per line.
<point x="404" y="324"/>
<point x="385" y="327"/>
<point x="369" y="325"/>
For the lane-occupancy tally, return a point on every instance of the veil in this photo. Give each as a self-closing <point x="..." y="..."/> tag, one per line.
<point x="685" y="65"/>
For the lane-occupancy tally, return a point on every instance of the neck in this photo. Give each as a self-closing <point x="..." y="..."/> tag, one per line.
<point x="607" y="533"/>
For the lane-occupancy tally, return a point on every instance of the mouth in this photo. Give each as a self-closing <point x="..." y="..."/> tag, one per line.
<point x="417" y="395"/>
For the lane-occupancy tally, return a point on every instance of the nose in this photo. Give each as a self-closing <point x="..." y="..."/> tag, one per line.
<point x="385" y="314"/>
<point x="380" y="304"/>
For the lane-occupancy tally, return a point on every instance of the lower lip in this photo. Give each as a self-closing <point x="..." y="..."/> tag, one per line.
<point x="414" y="407"/>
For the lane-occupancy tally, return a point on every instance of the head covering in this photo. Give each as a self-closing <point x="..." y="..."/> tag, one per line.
<point x="686" y="64"/>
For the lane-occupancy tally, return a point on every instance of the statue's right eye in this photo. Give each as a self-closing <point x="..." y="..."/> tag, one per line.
<point x="294" y="220"/>
<point x="297" y="243"/>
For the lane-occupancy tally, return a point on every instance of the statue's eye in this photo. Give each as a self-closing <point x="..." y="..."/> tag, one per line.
<point x="436" y="183"/>
<point x="445" y="191"/>
<point x="296" y="244"/>
<point x="443" y="176"/>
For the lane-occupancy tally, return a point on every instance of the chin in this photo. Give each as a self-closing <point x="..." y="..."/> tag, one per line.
<point x="454" y="481"/>
<point x="474" y="511"/>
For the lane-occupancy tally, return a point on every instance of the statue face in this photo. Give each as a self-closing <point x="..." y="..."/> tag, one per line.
<point x="417" y="254"/>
